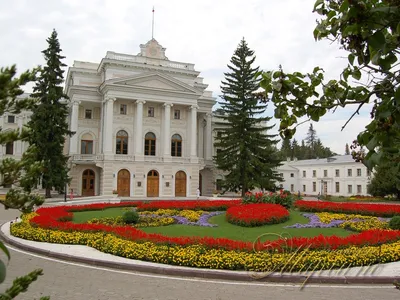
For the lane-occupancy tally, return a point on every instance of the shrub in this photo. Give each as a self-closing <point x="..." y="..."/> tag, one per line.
<point x="283" y="198"/>
<point x="130" y="217"/>
<point x="394" y="223"/>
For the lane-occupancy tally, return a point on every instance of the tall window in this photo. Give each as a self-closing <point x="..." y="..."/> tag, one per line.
<point x="325" y="173"/>
<point x="314" y="186"/>
<point x="349" y="189"/>
<point x="368" y="173"/>
<point x="10" y="148"/>
<point x="349" y="172"/>
<point x="150" y="112"/>
<point x="292" y="175"/>
<point x="218" y="184"/>
<point x="11" y="119"/>
<point x="314" y="173"/>
<point x="337" y="173"/>
<point x="337" y="187"/>
<point x="88" y="113"/>
<point x="304" y="187"/>
<point x="150" y="144"/>
<point x="292" y="188"/>
<point x="359" y="189"/>
<point x="121" y="146"/>
<point x="358" y="172"/>
<point x="176" y="145"/>
<point x="122" y="109"/>
<point x="304" y="173"/>
<point x="177" y="114"/>
<point x="86" y="147"/>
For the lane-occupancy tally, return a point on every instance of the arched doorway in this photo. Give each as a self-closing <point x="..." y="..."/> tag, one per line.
<point x="88" y="178"/>
<point x="180" y="184"/>
<point x="153" y="181"/>
<point x="124" y="183"/>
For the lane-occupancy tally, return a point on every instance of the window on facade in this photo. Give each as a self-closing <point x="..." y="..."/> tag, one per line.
<point x="304" y="173"/>
<point x="349" y="189"/>
<point x="368" y="173"/>
<point x="88" y="113"/>
<point x="86" y="147"/>
<point x="349" y="172"/>
<point x="358" y="172"/>
<point x="359" y="189"/>
<point x="292" y="187"/>
<point x="177" y="114"/>
<point x="304" y="187"/>
<point x="337" y="187"/>
<point x="11" y="119"/>
<point x="176" y="145"/>
<point x="314" y="186"/>
<point x="314" y="173"/>
<point x="281" y="174"/>
<point x="123" y="109"/>
<point x="325" y="173"/>
<point x="10" y="148"/>
<point x="218" y="184"/>
<point x="150" y="112"/>
<point x="291" y="174"/>
<point x="337" y="173"/>
<point x="121" y="146"/>
<point x="150" y="144"/>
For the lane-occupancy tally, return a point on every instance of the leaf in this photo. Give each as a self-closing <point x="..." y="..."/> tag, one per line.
<point x="372" y="143"/>
<point x="344" y="7"/>
<point x="5" y="250"/>
<point x="377" y="41"/>
<point x="3" y="271"/>
<point x="356" y="74"/>
<point x="317" y="3"/>
<point x="398" y="28"/>
<point x="375" y="59"/>
<point x="351" y="58"/>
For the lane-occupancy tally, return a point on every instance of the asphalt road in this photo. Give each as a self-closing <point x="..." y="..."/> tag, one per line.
<point x="63" y="280"/>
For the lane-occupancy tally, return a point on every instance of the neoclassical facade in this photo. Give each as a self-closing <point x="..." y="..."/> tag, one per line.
<point x="339" y="175"/>
<point x="143" y="126"/>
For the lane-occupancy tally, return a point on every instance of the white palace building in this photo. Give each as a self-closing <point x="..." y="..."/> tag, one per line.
<point x="144" y="127"/>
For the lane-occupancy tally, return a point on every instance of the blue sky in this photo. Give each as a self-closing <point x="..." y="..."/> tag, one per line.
<point x="205" y="33"/>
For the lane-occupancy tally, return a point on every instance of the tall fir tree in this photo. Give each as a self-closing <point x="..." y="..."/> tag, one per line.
<point x="347" y="150"/>
<point x="286" y="149"/>
<point x="48" y="124"/>
<point x="296" y="152"/>
<point x="311" y="140"/>
<point x="247" y="155"/>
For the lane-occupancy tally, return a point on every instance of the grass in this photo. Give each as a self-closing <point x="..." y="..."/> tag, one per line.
<point x="224" y="229"/>
<point x="347" y="199"/>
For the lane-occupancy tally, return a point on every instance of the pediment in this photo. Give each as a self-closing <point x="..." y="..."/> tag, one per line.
<point x="155" y="81"/>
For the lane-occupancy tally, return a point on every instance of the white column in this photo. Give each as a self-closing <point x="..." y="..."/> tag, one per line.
<point x="139" y="127"/>
<point x="200" y="147"/>
<point x="18" y="144"/>
<point x="108" y="130"/>
<point x="193" y="131"/>
<point x="209" y="144"/>
<point x="73" y="141"/>
<point x="167" y="129"/>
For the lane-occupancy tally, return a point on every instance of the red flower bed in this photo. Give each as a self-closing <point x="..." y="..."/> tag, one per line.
<point x="251" y="215"/>
<point x="49" y="217"/>
<point x="379" y="210"/>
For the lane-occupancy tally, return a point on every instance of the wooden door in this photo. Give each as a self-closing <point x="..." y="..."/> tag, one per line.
<point x="180" y="184"/>
<point x="153" y="184"/>
<point x="88" y="180"/>
<point x="325" y="188"/>
<point x="124" y="183"/>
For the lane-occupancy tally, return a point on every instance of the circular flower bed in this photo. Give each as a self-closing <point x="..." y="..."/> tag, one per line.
<point x="252" y="215"/>
<point x="53" y="225"/>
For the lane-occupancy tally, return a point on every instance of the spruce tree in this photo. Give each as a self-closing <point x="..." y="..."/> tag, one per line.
<point x="248" y="156"/>
<point x="347" y="150"/>
<point x="48" y="124"/>
<point x="311" y="139"/>
<point x="286" y="147"/>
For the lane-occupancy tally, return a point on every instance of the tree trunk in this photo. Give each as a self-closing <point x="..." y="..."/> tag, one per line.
<point x="48" y="193"/>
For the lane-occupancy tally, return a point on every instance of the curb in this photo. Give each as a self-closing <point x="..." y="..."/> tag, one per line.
<point x="206" y="273"/>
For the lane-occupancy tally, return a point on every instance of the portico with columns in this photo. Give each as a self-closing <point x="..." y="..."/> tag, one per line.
<point x="142" y="126"/>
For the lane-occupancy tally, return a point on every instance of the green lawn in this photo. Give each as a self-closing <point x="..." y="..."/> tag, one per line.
<point x="224" y="229"/>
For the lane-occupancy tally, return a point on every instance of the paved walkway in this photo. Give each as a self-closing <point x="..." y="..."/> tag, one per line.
<point x="383" y="273"/>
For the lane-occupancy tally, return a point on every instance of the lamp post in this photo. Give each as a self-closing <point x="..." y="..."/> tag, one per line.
<point x="65" y="192"/>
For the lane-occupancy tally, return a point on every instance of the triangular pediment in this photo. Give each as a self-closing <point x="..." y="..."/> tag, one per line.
<point x="154" y="81"/>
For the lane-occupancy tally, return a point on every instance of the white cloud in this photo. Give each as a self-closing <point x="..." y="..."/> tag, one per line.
<point x="205" y="33"/>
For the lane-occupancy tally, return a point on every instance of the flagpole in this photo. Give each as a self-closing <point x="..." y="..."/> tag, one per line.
<point x="152" y="26"/>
